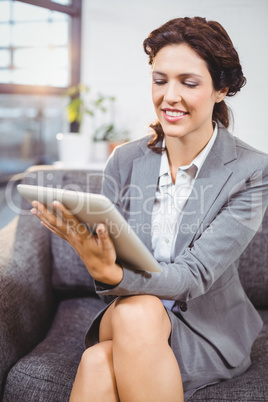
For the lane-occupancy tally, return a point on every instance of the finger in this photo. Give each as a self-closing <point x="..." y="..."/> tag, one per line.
<point x="45" y="213"/>
<point x="103" y="236"/>
<point x="44" y="222"/>
<point x="51" y="221"/>
<point x="52" y="229"/>
<point x="73" y="225"/>
<point x="65" y="213"/>
<point x="64" y="230"/>
<point x="102" y="231"/>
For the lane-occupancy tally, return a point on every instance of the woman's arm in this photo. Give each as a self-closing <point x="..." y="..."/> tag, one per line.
<point x="230" y="228"/>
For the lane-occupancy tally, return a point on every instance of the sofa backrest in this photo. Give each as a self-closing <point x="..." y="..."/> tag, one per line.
<point x="70" y="275"/>
<point x="253" y="266"/>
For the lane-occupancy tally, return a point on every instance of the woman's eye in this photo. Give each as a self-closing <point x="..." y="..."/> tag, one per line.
<point x="190" y="84"/>
<point x="159" y="82"/>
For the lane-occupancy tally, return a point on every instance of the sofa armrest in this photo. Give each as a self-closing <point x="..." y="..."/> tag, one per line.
<point x="26" y="299"/>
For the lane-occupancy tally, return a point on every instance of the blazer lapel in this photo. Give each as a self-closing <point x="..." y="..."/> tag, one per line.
<point x="144" y="179"/>
<point x="209" y="183"/>
<point x="211" y="179"/>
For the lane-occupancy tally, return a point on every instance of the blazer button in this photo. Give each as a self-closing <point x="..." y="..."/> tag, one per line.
<point x="183" y="306"/>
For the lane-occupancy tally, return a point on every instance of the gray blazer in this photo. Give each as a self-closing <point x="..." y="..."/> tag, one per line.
<point x="224" y="211"/>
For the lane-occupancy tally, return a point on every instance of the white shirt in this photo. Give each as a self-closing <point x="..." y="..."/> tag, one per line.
<point x="170" y="200"/>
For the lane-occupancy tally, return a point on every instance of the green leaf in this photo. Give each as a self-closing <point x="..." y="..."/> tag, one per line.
<point x="90" y="112"/>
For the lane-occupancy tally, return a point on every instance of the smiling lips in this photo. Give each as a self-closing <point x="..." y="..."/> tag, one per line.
<point x="173" y="115"/>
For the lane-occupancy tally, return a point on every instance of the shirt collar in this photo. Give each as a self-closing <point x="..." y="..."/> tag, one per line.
<point x="201" y="157"/>
<point x="164" y="172"/>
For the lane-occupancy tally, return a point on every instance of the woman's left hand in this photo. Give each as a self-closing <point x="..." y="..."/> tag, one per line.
<point x="96" y="250"/>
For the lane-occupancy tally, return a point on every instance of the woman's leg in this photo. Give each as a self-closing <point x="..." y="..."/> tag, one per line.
<point x="95" y="379"/>
<point x="138" y="363"/>
<point x="144" y="364"/>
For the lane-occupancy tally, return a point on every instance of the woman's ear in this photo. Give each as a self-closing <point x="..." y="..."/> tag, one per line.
<point x="221" y="94"/>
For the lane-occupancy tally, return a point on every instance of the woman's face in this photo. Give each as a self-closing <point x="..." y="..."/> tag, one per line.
<point x="183" y="93"/>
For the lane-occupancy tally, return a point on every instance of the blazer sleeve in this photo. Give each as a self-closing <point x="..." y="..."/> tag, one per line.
<point x="219" y="246"/>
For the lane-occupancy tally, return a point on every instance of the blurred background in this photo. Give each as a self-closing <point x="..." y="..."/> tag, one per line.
<point x="49" y="47"/>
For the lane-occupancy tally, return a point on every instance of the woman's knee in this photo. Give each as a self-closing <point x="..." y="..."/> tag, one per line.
<point x="96" y="358"/>
<point x="142" y="316"/>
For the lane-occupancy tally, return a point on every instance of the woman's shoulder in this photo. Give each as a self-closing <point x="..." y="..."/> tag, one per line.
<point x="120" y="162"/>
<point x="131" y="150"/>
<point x="231" y="148"/>
<point x="138" y="144"/>
<point x="244" y="146"/>
<point x="250" y="154"/>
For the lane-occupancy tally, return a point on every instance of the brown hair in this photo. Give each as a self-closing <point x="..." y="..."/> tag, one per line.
<point x="212" y="43"/>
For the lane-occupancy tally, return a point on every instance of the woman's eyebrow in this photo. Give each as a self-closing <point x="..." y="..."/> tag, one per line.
<point x="190" y="75"/>
<point x="159" y="73"/>
<point x="179" y="75"/>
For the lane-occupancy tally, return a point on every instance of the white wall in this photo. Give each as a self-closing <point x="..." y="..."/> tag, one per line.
<point x="114" y="63"/>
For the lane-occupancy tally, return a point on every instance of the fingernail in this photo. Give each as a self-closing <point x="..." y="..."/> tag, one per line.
<point x="35" y="211"/>
<point x="56" y="203"/>
<point x="34" y="203"/>
<point x="101" y="229"/>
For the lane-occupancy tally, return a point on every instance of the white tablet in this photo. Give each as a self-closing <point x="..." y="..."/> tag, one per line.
<point x="92" y="209"/>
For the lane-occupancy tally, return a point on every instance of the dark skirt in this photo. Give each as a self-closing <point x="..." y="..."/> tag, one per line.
<point x="200" y="363"/>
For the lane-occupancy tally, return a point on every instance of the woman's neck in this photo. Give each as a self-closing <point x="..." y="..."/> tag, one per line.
<point x="182" y="152"/>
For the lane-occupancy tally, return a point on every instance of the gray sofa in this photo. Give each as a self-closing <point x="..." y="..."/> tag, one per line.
<point x="47" y="301"/>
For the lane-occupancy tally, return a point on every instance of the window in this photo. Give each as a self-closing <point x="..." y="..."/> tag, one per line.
<point x="40" y="45"/>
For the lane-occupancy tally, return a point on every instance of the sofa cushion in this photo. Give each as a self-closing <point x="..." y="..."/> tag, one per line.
<point x="69" y="274"/>
<point x="253" y="267"/>
<point x="48" y="372"/>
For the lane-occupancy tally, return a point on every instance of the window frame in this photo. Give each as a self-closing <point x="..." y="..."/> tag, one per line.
<point x="74" y="10"/>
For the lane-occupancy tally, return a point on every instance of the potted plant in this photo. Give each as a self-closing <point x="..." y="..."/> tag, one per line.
<point x="112" y="135"/>
<point x="80" y="105"/>
<point x="74" y="147"/>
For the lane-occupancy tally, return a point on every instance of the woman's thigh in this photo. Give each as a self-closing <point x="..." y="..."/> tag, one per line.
<point x="139" y="310"/>
<point x="105" y="329"/>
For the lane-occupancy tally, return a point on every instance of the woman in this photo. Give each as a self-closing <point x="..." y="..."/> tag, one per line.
<point x="196" y="196"/>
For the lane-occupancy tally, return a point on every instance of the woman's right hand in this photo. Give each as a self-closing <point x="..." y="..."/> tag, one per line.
<point x="96" y="250"/>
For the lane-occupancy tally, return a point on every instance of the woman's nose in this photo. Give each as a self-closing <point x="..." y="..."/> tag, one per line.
<point x="172" y="94"/>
